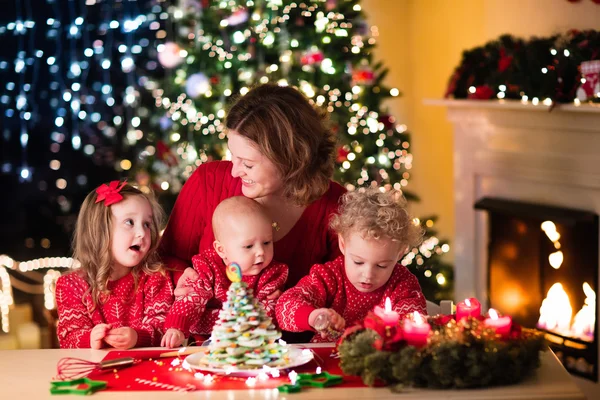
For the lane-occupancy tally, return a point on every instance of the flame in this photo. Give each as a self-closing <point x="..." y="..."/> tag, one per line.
<point x="556" y="311"/>
<point x="585" y="319"/>
<point x="549" y="229"/>
<point x="418" y="318"/>
<point x="388" y="305"/>
<point x="468" y="302"/>
<point x="493" y="313"/>
<point x="556" y="259"/>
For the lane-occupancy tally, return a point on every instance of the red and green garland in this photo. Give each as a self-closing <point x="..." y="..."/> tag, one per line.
<point x="458" y="354"/>
<point x="514" y="68"/>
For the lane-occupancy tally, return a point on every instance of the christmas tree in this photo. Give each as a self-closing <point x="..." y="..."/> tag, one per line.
<point x="244" y="336"/>
<point x="219" y="49"/>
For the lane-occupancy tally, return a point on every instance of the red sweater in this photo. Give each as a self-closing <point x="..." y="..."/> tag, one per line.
<point x="189" y="231"/>
<point x="327" y="286"/>
<point x="144" y="309"/>
<point x="197" y="312"/>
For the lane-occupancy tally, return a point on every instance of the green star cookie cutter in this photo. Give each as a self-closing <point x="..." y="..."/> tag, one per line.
<point x="289" y="388"/>
<point x="321" y="380"/>
<point x="73" y="386"/>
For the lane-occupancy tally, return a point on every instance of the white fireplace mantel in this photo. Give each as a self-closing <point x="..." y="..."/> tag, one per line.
<point x="521" y="152"/>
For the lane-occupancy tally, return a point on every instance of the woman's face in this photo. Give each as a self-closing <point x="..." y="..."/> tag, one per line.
<point x="260" y="177"/>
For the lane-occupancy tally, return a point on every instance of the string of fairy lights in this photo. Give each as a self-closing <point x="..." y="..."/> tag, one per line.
<point x="183" y="111"/>
<point x="76" y="53"/>
<point x="47" y="283"/>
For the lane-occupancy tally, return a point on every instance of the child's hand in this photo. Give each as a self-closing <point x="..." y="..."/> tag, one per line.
<point x="172" y="338"/>
<point x="333" y="321"/>
<point x="98" y="333"/>
<point x="121" y="338"/>
<point x="183" y="284"/>
<point x="275" y="295"/>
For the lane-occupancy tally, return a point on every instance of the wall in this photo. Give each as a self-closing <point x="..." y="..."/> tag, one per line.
<point x="421" y="42"/>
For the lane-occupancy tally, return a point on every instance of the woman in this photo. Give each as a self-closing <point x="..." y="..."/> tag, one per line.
<point x="282" y="156"/>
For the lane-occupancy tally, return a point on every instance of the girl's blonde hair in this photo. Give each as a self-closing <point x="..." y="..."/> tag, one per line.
<point x="93" y="237"/>
<point x="376" y="215"/>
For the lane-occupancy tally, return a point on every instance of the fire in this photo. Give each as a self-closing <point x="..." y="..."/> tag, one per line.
<point x="556" y="313"/>
<point x="585" y="319"/>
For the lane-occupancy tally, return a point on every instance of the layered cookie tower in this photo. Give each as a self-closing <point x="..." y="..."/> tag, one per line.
<point x="244" y="337"/>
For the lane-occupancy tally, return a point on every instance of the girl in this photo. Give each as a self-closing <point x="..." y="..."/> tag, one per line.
<point x="375" y="231"/>
<point x="120" y="296"/>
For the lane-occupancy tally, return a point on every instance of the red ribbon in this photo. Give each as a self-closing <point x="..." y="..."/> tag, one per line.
<point x="110" y="193"/>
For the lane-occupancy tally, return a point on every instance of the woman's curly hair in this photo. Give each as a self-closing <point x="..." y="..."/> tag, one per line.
<point x="375" y="214"/>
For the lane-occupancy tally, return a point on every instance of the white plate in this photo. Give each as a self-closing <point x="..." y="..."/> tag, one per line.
<point x="297" y="355"/>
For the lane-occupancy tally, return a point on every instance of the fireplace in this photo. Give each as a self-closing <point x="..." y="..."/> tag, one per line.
<point x="543" y="270"/>
<point x="527" y="154"/>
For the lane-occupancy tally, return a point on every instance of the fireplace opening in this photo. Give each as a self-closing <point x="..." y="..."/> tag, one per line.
<point x="543" y="270"/>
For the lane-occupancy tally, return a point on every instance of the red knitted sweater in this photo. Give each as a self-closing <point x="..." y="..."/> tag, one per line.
<point x="197" y="312"/>
<point x="144" y="309"/>
<point x="327" y="286"/>
<point x="189" y="231"/>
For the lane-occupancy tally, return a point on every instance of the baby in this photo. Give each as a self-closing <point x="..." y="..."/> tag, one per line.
<point x="244" y="235"/>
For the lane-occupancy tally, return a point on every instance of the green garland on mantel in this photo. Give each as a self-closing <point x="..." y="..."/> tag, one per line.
<point x="464" y="354"/>
<point x="514" y="68"/>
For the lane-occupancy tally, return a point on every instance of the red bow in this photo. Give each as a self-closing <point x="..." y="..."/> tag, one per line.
<point x="110" y="193"/>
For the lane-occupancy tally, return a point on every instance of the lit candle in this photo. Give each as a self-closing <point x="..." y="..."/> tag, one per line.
<point x="468" y="308"/>
<point x="389" y="317"/>
<point x="501" y="325"/>
<point x="416" y="330"/>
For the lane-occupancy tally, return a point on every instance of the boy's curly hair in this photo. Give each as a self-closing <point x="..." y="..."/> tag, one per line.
<point x="375" y="215"/>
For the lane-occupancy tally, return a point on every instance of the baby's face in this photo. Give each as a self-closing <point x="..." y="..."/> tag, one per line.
<point x="248" y="241"/>
<point x="369" y="263"/>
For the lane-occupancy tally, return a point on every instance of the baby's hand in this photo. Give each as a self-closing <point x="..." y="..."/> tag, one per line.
<point x="98" y="333"/>
<point x="121" y="338"/>
<point x="184" y="286"/>
<point x="172" y="338"/>
<point x="324" y="320"/>
<point x="275" y="295"/>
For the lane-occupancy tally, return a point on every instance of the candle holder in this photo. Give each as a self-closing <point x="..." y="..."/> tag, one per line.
<point x="445" y="353"/>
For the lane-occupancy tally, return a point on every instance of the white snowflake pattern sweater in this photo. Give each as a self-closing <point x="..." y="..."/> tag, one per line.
<point x="327" y="286"/>
<point x="143" y="310"/>
<point x="197" y="312"/>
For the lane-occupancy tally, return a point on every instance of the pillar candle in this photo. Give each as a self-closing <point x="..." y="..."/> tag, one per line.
<point x="468" y="308"/>
<point x="501" y="325"/>
<point x="389" y="317"/>
<point x="416" y="330"/>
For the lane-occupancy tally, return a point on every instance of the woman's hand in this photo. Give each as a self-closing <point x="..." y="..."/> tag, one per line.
<point x="183" y="288"/>
<point x="98" y="333"/>
<point x="172" y="338"/>
<point x="121" y="338"/>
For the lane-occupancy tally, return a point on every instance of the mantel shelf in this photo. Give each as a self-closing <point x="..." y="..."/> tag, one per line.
<point x="512" y="105"/>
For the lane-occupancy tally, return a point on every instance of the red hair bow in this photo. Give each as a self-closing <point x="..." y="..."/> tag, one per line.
<point x="110" y="193"/>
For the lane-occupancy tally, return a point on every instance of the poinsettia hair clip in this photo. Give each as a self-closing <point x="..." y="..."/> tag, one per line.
<point x="110" y="193"/>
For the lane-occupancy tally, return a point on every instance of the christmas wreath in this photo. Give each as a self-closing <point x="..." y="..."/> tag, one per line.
<point x="457" y="354"/>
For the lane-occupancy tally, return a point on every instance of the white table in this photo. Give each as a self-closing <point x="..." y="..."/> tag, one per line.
<point x="26" y="375"/>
